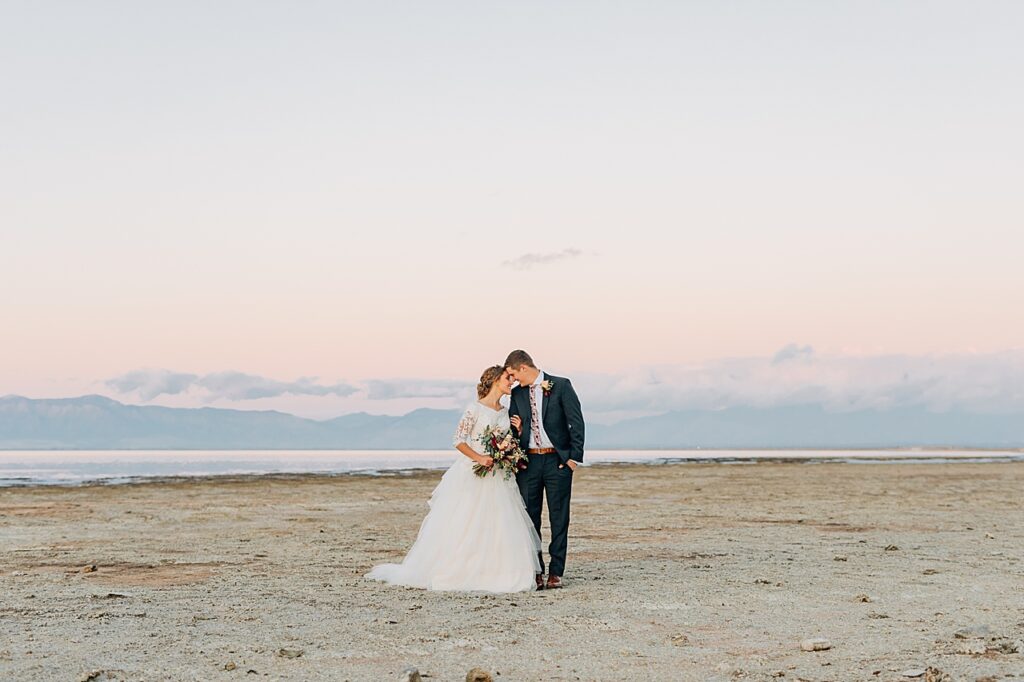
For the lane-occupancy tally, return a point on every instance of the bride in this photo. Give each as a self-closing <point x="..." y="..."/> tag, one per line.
<point x="477" y="534"/>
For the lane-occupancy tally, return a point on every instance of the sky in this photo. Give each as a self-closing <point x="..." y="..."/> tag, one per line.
<point x="325" y="207"/>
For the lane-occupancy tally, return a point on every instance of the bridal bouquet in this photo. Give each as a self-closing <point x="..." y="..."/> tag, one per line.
<point x="504" y="449"/>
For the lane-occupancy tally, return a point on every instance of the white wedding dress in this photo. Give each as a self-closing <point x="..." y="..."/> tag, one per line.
<point x="477" y="535"/>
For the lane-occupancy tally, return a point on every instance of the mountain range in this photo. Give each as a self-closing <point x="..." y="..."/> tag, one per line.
<point x="95" y="422"/>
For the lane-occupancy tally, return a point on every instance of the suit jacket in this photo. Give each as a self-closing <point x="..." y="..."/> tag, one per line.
<point x="562" y="417"/>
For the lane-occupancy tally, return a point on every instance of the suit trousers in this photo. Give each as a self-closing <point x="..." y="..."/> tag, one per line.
<point x="542" y="477"/>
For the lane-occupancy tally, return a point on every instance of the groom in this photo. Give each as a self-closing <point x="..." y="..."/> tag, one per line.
<point x="552" y="434"/>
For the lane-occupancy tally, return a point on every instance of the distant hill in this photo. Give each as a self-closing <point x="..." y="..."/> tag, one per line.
<point x="812" y="426"/>
<point x="99" y="423"/>
<point x="96" y="423"/>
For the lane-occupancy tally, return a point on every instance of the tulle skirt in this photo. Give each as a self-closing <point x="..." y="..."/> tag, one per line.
<point x="477" y="536"/>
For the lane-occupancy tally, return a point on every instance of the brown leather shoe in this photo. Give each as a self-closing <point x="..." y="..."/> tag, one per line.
<point x="554" y="582"/>
<point x="540" y="581"/>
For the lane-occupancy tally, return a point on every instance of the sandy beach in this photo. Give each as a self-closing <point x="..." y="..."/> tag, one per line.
<point x="676" y="572"/>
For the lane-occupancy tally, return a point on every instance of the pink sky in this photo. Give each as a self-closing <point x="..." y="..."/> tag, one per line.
<point x="337" y="194"/>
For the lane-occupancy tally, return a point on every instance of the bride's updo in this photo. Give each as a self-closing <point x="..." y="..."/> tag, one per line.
<point x="487" y="379"/>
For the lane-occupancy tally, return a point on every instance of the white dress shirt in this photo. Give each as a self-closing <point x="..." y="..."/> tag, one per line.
<point x="538" y="440"/>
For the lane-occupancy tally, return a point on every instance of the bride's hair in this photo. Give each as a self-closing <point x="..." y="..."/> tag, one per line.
<point x="487" y="380"/>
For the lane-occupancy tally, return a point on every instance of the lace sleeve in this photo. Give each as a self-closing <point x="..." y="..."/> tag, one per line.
<point x="465" y="429"/>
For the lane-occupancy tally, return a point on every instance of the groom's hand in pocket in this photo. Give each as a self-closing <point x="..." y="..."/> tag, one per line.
<point x="571" y="463"/>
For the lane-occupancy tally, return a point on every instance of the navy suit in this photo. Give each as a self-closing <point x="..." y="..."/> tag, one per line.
<point x="563" y="423"/>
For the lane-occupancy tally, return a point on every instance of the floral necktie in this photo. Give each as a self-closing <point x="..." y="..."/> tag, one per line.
<point x="535" y="421"/>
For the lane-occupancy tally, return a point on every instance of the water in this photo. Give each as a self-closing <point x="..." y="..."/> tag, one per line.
<point x="19" y="468"/>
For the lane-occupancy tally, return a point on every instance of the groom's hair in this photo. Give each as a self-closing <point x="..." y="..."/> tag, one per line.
<point x="518" y="358"/>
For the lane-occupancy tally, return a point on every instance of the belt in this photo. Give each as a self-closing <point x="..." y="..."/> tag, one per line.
<point x="541" y="451"/>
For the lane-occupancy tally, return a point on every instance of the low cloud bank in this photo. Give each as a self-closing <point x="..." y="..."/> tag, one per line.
<point x="795" y="375"/>
<point x="148" y="384"/>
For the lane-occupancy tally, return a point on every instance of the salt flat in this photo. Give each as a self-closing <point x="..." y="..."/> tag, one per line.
<point x="676" y="572"/>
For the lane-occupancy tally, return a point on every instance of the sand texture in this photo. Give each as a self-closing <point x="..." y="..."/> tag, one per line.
<point x="676" y="572"/>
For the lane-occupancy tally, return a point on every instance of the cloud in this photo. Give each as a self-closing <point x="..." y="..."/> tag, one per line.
<point x="794" y="375"/>
<point x="230" y="385"/>
<point x="416" y="388"/>
<point x="151" y="383"/>
<point x="793" y="352"/>
<point x="239" y="386"/>
<point x="530" y="260"/>
<point x="991" y="382"/>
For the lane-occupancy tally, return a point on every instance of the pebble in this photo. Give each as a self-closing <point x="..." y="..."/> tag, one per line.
<point x="913" y="672"/>
<point x="478" y="675"/>
<point x="892" y="548"/>
<point x="410" y="675"/>
<point x="973" y="631"/>
<point x="290" y="653"/>
<point x="88" y="568"/>
<point x="863" y="598"/>
<point x="815" y="644"/>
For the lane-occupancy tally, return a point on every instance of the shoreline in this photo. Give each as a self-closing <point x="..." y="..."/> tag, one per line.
<point x="888" y="457"/>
